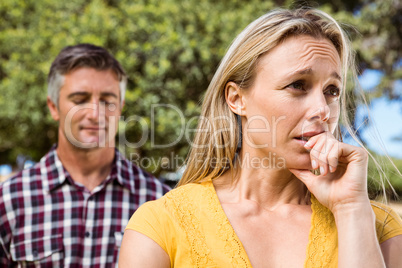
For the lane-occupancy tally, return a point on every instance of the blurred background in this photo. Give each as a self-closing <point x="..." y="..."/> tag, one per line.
<point x="170" y="50"/>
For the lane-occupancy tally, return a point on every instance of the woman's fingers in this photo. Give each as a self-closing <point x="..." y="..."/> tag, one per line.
<point x="343" y="171"/>
<point x="315" y="154"/>
<point x="324" y="152"/>
<point x="328" y="157"/>
<point x="333" y="157"/>
<point x="349" y="153"/>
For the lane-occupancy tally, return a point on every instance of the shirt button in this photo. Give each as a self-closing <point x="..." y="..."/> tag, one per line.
<point x="35" y="253"/>
<point x="87" y="234"/>
<point x="91" y="198"/>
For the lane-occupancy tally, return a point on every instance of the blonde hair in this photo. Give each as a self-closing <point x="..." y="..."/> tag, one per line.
<point x="216" y="142"/>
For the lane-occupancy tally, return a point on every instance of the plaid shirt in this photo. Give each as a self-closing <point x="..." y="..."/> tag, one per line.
<point x="48" y="220"/>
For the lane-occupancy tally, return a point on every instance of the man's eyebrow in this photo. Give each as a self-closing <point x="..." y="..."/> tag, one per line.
<point x="86" y="94"/>
<point x="80" y="94"/>
<point x="109" y="94"/>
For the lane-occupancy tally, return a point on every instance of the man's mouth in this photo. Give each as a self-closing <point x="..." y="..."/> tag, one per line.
<point x="93" y="128"/>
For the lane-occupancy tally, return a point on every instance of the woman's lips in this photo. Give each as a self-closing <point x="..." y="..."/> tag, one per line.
<point x="307" y="135"/>
<point x="300" y="141"/>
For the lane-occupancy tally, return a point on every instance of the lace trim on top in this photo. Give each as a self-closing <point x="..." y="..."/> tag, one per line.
<point x="322" y="250"/>
<point x="181" y="206"/>
<point x="233" y="247"/>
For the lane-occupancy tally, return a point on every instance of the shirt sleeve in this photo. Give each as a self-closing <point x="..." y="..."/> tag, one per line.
<point x="4" y="260"/>
<point x="151" y="219"/>
<point x="5" y="232"/>
<point x="388" y="222"/>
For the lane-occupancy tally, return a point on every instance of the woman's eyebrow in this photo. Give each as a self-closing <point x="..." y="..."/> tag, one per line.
<point x="309" y="71"/>
<point x="301" y="72"/>
<point x="336" y="76"/>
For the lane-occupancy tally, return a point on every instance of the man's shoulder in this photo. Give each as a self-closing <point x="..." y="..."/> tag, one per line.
<point x="29" y="175"/>
<point x="32" y="177"/>
<point x="136" y="177"/>
<point x="130" y="170"/>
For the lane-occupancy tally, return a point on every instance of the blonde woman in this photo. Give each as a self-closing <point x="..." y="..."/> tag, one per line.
<point x="249" y="196"/>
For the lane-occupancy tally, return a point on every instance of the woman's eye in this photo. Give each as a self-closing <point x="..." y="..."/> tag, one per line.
<point x="297" y="85"/>
<point x="333" y="91"/>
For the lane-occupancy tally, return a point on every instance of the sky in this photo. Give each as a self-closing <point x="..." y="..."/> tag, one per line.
<point x="386" y="115"/>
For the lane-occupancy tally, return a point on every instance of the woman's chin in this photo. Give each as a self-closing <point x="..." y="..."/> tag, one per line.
<point x="300" y="165"/>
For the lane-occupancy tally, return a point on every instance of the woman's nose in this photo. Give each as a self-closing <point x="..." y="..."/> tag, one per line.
<point x="320" y="110"/>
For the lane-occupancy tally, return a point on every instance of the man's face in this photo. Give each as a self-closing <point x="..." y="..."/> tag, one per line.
<point x="89" y="108"/>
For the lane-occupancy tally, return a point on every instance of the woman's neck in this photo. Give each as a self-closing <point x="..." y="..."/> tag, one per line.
<point x="270" y="188"/>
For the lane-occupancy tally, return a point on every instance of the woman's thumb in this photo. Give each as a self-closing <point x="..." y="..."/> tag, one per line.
<point x="306" y="176"/>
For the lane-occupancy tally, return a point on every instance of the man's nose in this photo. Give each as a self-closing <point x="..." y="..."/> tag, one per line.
<point x="97" y="110"/>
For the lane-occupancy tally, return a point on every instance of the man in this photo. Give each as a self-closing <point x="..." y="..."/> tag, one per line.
<point x="71" y="208"/>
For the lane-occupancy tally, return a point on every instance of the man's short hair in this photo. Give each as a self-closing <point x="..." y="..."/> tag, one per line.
<point x="78" y="56"/>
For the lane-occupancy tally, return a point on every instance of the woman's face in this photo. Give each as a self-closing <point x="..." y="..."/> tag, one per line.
<point x="295" y="95"/>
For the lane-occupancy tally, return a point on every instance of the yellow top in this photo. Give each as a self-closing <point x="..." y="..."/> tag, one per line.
<point x="191" y="226"/>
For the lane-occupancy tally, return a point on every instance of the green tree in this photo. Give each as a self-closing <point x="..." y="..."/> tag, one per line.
<point x="170" y="50"/>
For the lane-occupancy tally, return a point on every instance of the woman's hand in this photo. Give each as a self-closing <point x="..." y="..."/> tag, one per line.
<point x="343" y="172"/>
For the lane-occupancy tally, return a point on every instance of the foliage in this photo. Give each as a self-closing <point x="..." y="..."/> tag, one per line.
<point x="170" y="50"/>
<point x="389" y="173"/>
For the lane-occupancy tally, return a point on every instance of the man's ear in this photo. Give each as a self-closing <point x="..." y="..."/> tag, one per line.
<point x="54" y="111"/>
<point x="235" y="99"/>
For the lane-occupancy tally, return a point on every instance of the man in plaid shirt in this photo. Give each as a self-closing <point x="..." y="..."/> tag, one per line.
<point x="71" y="208"/>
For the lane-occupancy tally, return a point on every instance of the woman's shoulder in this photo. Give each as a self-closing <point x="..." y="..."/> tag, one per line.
<point x="383" y="211"/>
<point x="388" y="222"/>
<point x="184" y="197"/>
<point x="180" y="207"/>
<point x="189" y="190"/>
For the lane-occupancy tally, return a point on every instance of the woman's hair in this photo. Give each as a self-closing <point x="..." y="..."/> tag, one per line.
<point x="217" y="139"/>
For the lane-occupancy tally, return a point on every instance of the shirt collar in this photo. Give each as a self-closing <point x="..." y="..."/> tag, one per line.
<point x="124" y="171"/>
<point x="52" y="171"/>
<point x="54" y="174"/>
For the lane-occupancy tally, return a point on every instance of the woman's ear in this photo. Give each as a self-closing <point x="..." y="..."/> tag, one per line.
<point x="235" y="99"/>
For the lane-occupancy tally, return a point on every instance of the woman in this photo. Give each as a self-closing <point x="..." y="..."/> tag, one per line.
<point x="248" y="197"/>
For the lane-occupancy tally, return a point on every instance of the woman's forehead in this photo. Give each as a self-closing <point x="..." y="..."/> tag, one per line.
<point x="298" y="51"/>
